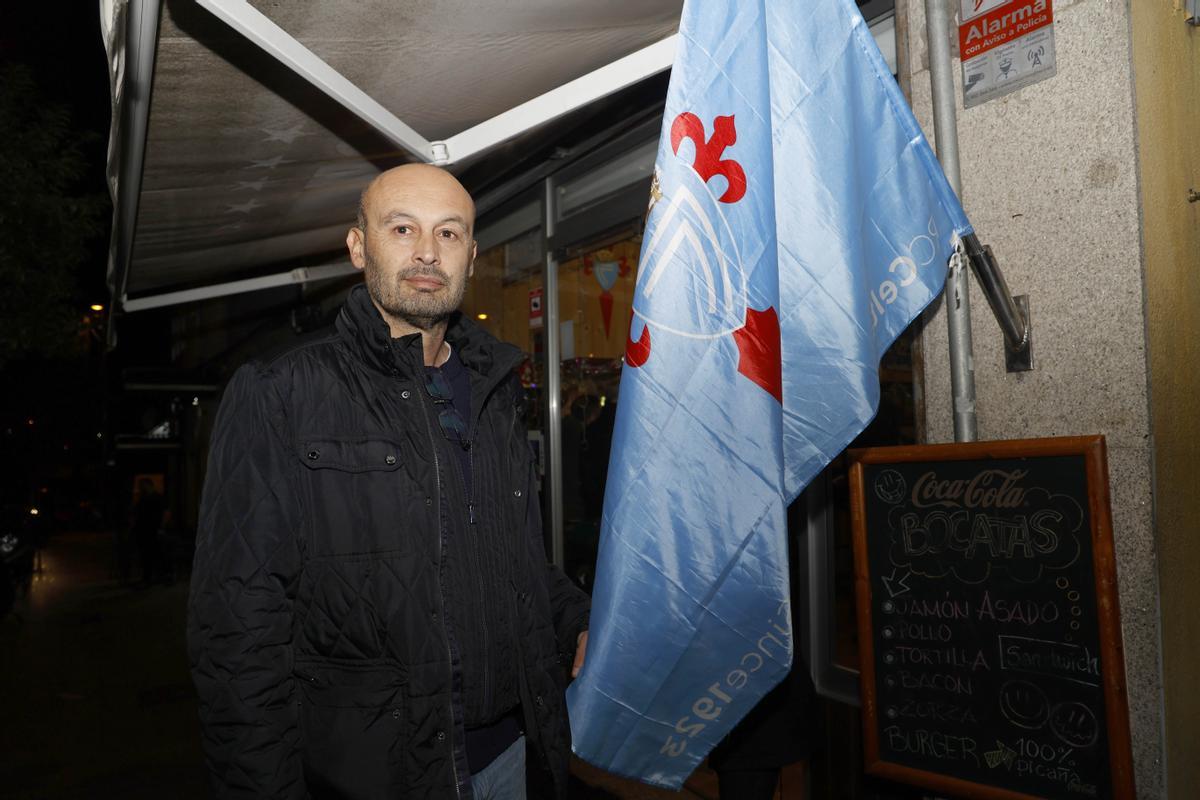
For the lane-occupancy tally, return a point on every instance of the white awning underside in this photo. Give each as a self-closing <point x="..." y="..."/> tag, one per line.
<point x="250" y="169"/>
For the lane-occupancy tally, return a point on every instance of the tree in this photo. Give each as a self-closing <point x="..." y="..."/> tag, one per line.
<point x="46" y="224"/>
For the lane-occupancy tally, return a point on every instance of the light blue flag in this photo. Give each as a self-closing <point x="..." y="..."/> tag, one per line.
<point x="798" y="223"/>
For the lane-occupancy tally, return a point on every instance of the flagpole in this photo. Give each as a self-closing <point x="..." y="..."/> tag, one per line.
<point x="958" y="295"/>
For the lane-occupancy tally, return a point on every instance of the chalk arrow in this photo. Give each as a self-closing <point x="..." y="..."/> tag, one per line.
<point x="896" y="586"/>
<point x="1002" y="755"/>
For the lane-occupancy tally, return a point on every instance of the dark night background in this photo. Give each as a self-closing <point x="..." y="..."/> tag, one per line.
<point x="95" y="700"/>
<point x="53" y="254"/>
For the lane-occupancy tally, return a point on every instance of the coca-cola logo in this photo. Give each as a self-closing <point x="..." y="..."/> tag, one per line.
<point x="989" y="488"/>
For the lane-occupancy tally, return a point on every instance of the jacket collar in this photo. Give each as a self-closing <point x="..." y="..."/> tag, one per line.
<point x="367" y="334"/>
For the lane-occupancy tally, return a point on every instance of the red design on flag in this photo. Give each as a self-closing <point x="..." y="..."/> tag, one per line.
<point x="708" y="160"/>
<point x="637" y="353"/>
<point x="759" y="357"/>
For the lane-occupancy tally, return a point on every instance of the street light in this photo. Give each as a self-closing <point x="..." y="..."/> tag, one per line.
<point x="96" y="307"/>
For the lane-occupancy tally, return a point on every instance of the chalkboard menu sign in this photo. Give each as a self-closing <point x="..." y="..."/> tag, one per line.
<point x="987" y="608"/>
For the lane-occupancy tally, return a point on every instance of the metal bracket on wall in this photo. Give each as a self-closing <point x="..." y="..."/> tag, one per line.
<point x="1021" y="359"/>
<point x="1012" y="314"/>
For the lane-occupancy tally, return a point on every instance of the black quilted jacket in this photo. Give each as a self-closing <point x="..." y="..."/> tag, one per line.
<point x="316" y="628"/>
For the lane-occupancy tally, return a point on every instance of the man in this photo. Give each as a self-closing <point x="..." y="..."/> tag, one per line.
<point x="371" y="611"/>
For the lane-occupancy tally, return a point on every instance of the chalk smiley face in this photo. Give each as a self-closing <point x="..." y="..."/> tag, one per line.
<point x="1075" y="724"/>
<point x="1024" y="704"/>
<point x="890" y="486"/>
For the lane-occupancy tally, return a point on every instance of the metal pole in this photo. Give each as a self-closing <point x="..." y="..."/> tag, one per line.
<point x="553" y="378"/>
<point x="958" y="298"/>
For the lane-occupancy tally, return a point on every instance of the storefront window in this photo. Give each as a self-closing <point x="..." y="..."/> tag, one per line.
<point x="577" y="194"/>
<point x="503" y="293"/>
<point x="595" y="302"/>
<point x="505" y="298"/>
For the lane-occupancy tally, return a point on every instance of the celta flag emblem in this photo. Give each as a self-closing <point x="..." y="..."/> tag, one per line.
<point x="798" y="223"/>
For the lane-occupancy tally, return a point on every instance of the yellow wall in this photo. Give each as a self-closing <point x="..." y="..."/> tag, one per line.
<point x="579" y="295"/>
<point x="1167" y="98"/>
<point x="507" y="305"/>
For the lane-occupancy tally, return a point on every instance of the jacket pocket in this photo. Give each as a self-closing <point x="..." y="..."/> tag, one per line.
<point x="354" y="728"/>
<point x="350" y="454"/>
<point x="365" y="495"/>
<point x="330" y="685"/>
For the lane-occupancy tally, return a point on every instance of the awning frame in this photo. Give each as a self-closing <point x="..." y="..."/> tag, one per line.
<point x="131" y="30"/>
<point x="300" y="275"/>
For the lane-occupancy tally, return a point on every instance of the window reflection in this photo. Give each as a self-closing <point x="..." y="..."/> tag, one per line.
<point x="504" y="297"/>
<point x="596" y="298"/>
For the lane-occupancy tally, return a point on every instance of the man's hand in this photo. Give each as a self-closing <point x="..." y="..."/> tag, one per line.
<point x="580" y="653"/>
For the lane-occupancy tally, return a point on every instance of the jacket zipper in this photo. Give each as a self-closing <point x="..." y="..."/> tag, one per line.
<point x="471" y="476"/>
<point x="472" y="429"/>
<point x="437" y="472"/>
<point x="485" y="668"/>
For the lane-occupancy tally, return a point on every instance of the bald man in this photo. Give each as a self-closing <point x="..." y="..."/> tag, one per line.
<point x="371" y="611"/>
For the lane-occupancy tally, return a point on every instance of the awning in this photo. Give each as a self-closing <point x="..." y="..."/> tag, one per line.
<point x="243" y="131"/>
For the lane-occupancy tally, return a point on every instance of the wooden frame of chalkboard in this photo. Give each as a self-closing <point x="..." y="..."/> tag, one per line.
<point x="990" y="543"/>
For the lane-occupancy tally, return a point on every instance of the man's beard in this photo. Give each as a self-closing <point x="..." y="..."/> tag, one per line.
<point x="422" y="310"/>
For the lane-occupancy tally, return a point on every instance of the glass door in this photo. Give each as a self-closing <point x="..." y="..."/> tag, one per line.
<point x="595" y="297"/>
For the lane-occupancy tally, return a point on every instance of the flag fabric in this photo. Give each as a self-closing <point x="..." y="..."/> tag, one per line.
<point x="798" y="223"/>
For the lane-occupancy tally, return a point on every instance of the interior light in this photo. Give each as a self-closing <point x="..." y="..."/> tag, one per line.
<point x="481" y="316"/>
<point x="33" y="512"/>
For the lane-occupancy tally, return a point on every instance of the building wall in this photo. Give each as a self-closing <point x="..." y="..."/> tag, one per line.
<point x="1166" y="70"/>
<point x="1050" y="181"/>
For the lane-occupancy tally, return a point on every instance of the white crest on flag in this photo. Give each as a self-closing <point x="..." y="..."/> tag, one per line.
<point x="693" y="262"/>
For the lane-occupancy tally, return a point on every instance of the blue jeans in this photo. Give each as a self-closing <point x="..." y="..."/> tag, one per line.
<point x="504" y="778"/>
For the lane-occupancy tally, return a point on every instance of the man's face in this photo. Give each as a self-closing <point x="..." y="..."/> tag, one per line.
<point x="417" y="247"/>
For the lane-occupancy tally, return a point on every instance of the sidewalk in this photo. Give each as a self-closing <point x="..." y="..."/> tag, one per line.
<point x="96" y="701"/>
